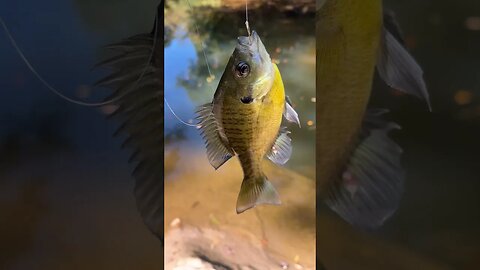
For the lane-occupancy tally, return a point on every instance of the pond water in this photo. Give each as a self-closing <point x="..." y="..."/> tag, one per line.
<point x="188" y="85"/>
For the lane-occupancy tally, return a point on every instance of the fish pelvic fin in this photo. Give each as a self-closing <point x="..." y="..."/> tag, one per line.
<point x="282" y="148"/>
<point x="255" y="191"/>
<point x="372" y="184"/>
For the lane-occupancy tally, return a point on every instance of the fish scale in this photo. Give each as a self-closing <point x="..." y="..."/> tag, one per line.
<point x="254" y="136"/>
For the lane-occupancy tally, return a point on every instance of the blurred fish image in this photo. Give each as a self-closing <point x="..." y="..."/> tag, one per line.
<point x="136" y="101"/>
<point x="358" y="165"/>
<point x="137" y="84"/>
<point x="245" y="119"/>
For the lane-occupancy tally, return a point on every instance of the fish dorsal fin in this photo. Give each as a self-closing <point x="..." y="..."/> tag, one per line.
<point x="289" y="113"/>
<point x="217" y="151"/>
<point x="372" y="184"/>
<point x="399" y="70"/>
<point x="282" y="148"/>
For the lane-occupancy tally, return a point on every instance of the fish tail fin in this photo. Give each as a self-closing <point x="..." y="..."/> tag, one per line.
<point x="371" y="186"/>
<point x="255" y="191"/>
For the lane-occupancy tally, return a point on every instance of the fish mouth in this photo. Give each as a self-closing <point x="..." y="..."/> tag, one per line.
<point x="249" y="40"/>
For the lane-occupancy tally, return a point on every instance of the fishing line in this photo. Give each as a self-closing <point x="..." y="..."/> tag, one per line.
<point x="82" y="103"/>
<point x="202" y="44"/>
<point x="246" y="18"/>
<point x="58" y="93"/>
<point x="176" y="116"/>
<point x="209" y="73"/>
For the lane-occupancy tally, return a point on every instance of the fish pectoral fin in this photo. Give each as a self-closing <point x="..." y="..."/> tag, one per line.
<point x="289" y="113"/>
<point x="399" y="70"/>
<point x="370" y="188"/>
<point x="256" y="191"/>
<point x="217" y="151"/>
<point x="391" y="24"/>
<point x="282" y="148"/>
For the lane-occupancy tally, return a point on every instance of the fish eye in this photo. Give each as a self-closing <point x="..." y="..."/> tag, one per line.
<point x="242" y="70"/>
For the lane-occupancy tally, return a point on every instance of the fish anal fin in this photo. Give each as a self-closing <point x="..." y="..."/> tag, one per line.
<point x="217" y="150"/>
<point x="256" y="191"/>
<point x="371" y="186"/>
<point x="399" y="70"/>
<point x="282" y="148"/>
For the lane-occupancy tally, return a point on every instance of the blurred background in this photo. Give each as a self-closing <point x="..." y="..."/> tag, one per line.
<point x="438" y="223"/>
<point x="65" y="185"/>
<point x="66" y="199"/>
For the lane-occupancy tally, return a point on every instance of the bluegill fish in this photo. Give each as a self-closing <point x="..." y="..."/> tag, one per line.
<point x="245" y="117"/>
<point x="358" y="165"/>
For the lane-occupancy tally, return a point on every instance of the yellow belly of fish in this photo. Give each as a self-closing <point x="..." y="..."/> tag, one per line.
<point x="251" y="129"/>
<point x="348" y="34"/>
